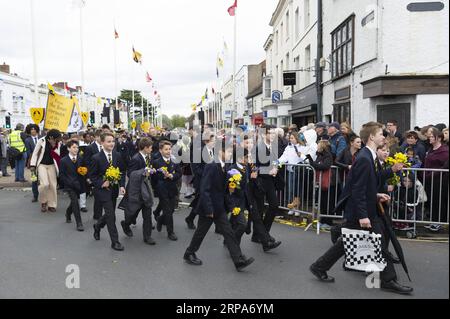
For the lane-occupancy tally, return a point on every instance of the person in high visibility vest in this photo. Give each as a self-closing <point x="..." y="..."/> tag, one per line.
<point x="16" y="141"/>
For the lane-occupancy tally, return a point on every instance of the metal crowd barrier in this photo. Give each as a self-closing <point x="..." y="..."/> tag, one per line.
<point x="421" y="197"/>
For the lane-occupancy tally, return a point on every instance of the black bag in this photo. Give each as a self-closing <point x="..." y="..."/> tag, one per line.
<point x="15" y="154"/>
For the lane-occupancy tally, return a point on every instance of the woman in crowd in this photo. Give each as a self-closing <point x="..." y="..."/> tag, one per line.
<point x="436" y="183"/>
<point x="445" y="132"/>
<point x="45" y="161"/>
<point x="346" y="158"/>
<point x="347" y="132"/>
<point x="292" y="156"/>
<point x="326" y="178"/>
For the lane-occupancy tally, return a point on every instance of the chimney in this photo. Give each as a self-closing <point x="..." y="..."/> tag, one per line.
<point x="4" y="68"/>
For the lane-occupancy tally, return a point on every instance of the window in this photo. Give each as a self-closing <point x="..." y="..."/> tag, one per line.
<point x="307" y="14"/>
<point x="276" y="42"/>
<point x="341" y="113"/>
<point x="268" y="88"/>
<point x="287" y="25"/>
<point x="297" y="63"/>
<point x="297" y="24"/>
<point x="307" y="65"/>
<point x="281" y="34"/>
<point x="342" y="48"/>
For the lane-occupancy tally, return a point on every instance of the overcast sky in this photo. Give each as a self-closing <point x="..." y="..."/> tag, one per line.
<point x="179" y="41"/>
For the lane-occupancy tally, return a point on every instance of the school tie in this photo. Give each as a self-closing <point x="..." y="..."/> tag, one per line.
<point x="147" y="161"/>
<point x="74" y="160"/>
<point x="110" y="159"/>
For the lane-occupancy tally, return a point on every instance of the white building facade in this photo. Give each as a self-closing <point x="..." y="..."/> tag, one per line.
<point x="387" y="60"/>
<point x="291" y="48"/>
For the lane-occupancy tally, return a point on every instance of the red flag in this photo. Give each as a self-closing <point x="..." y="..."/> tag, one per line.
<point x="116" y="35"/>
<point x="149" y="79"/>
<point x="232" y="9"/>
<point x="66" y="87"/>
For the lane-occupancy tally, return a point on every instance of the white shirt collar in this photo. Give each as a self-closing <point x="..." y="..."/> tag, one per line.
<point x="144" y="156"/>
<point x="222" y="163"/>
<point x="268" y="145"/>
<point x="107" y="153"/>
<point x="72" y="157"/>
<point x="239" y="166"/>
<point x="98" y="146"/>
<point x="374" y="154"/>
<point x="166" y="159"/>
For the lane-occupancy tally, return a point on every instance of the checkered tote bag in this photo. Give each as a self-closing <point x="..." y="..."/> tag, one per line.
<point x="362" y="250"/>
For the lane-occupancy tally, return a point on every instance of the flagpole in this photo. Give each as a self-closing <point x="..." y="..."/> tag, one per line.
<point x="133" y="115"/>
<point x="234" y="67"/>
<point x="148" y="113"/>
<point x="82" y="56"/>
<point x="33" y="44"/>
<point x="115" y="71"/>
<point x="142" y="108"/>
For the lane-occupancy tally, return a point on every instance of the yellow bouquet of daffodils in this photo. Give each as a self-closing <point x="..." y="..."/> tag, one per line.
<point x="234" y="180"/>
<point x="236" y="211"/>
<point x="398" y="158"/>
<point x="82" y="170"/>
<point x="113" y="175"/>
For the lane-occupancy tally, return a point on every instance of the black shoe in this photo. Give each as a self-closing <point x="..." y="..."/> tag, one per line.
<point x="189" y="196"/>
<point x="117" y="246"/>
<point x="80" y="227"/>
<point x="126" y="229"/>
<point x="248" y="229"/>
<point x="272" y="239"/>
<point x="394" y="259"/>
<point x="150" y="241"/>
<point x="321" y="275"/>
<point x="192" y="259"/>
<point x="159" y="224"/>
<point x="96" y="232"/>
<point x="84" y="210"/>
<point x="153" y="227"/>
<point x="271" y="245"/>
<point x="68" y="219"/>
<point x="217" y="231"/>
<point x="190" y="224"/>
<point x="34" y="200"/>
<point x="394" y="286"/>
<point x="243" y="262"/>
<point x="172" y="237"/>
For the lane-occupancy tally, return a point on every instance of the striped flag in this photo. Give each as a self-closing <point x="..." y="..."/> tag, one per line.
<point x="148" y="78"/>
<point x="116" y="34"/>
<point x="137" y="57"/>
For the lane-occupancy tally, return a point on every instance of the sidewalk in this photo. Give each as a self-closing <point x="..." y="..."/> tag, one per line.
<point x="9" y="181"/>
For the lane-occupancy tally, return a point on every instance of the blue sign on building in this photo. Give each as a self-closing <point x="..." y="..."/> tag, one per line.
<point x="277" y="96"/>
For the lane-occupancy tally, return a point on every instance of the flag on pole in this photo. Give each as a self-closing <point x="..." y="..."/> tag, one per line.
<point x="213" y="91"/>
<point x="219" y="62"/>
<point x="232" y="9"/>
<point x="148" y="78"/>
<point x="206" y="94"/>
<point x="156" y="93"/>
<point x="116" y="34"/>
<point x="137" y="57"/>
<point x="217" y="72"/>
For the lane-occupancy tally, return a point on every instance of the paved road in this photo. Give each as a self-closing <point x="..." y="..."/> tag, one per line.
<point x="35" y="249"/>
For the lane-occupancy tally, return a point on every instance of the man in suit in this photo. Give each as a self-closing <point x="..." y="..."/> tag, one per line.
<point x="140" y="197"/>
<point x="30" y="143"/>
<point x="105" y="192"/>
<point x="122" y="149"/>
<point x="198" y="165"/>
<point x="212" y="209"/>
<point x="360" y="199"/>
<point x="91" y="150"/>
<point x="165" y="183"/>
<point x="73" y="182"/>
<point x="264" y="178"/>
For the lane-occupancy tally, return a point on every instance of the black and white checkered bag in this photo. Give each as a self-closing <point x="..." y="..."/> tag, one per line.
<point x="362" y="250"/>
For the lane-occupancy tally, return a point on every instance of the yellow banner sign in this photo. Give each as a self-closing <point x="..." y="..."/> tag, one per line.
<point x="58" y="113"/>
<point x="85" y="117"/>
<point x="37" y="114"/>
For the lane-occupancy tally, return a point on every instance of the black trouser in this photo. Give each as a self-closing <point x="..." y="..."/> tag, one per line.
<point x="74" y="207"/>
<point x="238" y="224"/>
<point x="158" y="210"/>
<point x="132" y="212"/>
<point x="222" y="223"/>
<point x="193" y="212"/>
<point x="271" y="194"/>
<point x="168" y="207"/>
<point x="337" y="251"/>
<point x="98" y="208"/>
<point x="109" y="219"/>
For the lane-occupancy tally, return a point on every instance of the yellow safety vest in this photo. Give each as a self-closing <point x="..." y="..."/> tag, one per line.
<point x="16" y="141"/>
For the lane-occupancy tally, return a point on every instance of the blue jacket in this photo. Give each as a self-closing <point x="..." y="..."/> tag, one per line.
<point x="338" y="144"/>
